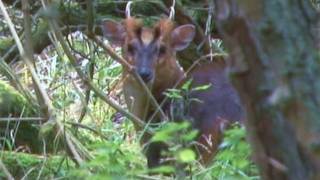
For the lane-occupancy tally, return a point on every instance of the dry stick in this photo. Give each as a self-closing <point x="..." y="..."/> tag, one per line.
<point x="28" y="48"/>
<point x="88" y="128"/>
<point x="44" y="97"/>
<point x="27" y="173"/>
<point x="124" y="63"/>
<point x="11" y="76"/>
<point x="90" y="16"/>
<point x="22" y="119"/>
<point x="90" y="20"/>
<point x="42" y="94"/>
<point x="28" y="43"/>
<point x="5" y="171"/>
<point x="73" y="150"/>
<point x="89" y="83"/>
<point x="84" y="98"/>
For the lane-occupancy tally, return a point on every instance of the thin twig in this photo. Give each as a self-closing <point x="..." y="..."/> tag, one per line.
<point x="88" y="128"/>
<point x="5" y="171"/>
<point x="88" y="90"/>
<point x="109" y="50"/>
<point x="22" y="119"/>
<point x="25" y="176"/>
<point x="90" y="16"/>
<point x="12" y="77"/>
<point x="84" y="100"/>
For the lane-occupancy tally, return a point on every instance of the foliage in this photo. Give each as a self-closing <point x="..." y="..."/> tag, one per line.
<point x="111" y="140"/>
<point x="12" y="102"/>
<point x="113" y="160"/>
<point x="233" y="161"/>
<point x="178" y="136"/>
<point x="118" y="160"/>
<point x="116" y="152"/>
<point x="28" y="166"/>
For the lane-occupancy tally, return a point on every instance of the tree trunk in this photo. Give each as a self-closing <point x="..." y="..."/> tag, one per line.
<point x="275" y="70"/>
<point x="20" y="124"/>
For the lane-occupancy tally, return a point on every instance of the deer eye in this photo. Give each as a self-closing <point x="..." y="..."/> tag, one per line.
<point x="162" y="50"/>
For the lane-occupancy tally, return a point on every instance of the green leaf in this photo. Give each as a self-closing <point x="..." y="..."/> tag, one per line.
<point x="162" y="169"/>
<point x="202" y="88"/>
<point x="161" y="136"/>
<point x="186" y="156"/>
<point x="173" y="94"/>
<point x="168" y="131"/>
<point x="190" y="135"/>
<point x="186" y="86"/>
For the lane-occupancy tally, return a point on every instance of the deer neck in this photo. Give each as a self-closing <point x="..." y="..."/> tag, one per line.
<point x="167" y="76"/>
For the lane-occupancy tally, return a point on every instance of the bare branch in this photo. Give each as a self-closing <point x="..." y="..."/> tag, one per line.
<point x="10" y="119"/>
<point x="5" y="171"/>
<point x="43" y="95"/>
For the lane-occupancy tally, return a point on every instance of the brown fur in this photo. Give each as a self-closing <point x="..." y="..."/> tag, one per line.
<point x="219" y="108"/>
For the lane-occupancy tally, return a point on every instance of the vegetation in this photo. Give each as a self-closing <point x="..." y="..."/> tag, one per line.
<point x="68" y="120"/>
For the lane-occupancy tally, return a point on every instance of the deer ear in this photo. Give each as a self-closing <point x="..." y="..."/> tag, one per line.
<point x="114" y="32"/>
<point x="182" y="36"/>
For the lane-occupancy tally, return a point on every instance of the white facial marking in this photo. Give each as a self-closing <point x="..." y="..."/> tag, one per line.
<point x="146" y="37"/>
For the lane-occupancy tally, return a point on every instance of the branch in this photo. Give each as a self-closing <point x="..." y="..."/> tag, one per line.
<point x="14" y="80"/>
<point x="10" y="119"/>
<point x="5" y="171"/>
<point x="44" y="97"/>
<point x="88" y="128"/>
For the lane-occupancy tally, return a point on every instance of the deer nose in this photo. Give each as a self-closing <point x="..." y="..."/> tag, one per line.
<point x="145" y="74"/>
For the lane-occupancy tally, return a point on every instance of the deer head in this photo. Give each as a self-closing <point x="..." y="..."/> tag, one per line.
<point x="148" y="49"/>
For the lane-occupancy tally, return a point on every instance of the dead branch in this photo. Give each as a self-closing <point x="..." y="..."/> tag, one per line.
<point x="5" y="171"/>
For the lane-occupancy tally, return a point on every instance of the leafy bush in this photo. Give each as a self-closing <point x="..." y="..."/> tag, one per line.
<point x="233" y="159"/>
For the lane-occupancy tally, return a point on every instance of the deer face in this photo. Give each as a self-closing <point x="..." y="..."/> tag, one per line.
<point x="148" y="48"/>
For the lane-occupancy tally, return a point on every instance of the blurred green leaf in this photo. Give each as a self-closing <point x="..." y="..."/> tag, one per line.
<point x="163" y="169"/>
<point x="173" y="93"/>
<point x="201" y="88"/>
<point x="186" y="156"/>
<point x="186" y="86"/>
<point x="190" y="135"/>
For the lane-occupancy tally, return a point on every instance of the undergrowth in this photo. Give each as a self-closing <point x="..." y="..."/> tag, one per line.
<point x="111" y="139"/>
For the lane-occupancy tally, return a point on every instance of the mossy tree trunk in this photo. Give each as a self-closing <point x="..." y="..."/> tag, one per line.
<point x="17" y="134"/>
<point x="276" y="71"/>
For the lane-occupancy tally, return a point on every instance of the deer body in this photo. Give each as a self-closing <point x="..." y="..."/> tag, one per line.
<point x="152" y="52"/>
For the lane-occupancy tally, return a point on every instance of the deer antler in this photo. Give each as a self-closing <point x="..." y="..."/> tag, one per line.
<point x="172" y="11"/>
<point x="128" y="14"/>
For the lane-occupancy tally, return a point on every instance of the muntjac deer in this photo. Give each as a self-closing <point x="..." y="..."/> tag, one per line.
<point x="152" y="51"/>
